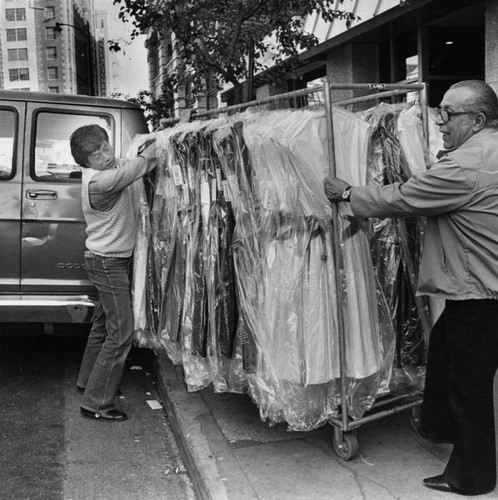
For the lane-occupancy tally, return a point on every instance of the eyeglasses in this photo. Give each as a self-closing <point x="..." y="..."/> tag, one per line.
<point x="104" y="151"/>
<point x="445" y="116"/>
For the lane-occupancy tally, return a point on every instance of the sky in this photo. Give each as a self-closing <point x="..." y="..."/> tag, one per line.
<point x="130" y="64"/>
<point x="134" y="75"/>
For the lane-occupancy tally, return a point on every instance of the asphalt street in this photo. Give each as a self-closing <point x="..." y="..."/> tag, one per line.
<point x="48" y="451"/>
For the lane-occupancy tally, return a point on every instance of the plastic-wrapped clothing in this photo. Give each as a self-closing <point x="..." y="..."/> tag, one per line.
<point x="411" y="139"/>
<point x="397" y="152"/>
<point x="201" y="230"/>
<point x="237" y="192"/>
<point x="199" y="311"/>
<point x="186" y="172"/>
<point x="220" y="278"/>
<point x="223" y="276"/>
<point x="140" y="256"/>
<point x="290" y="192"/>
<point x="144" y="336"/>
<point x="241" y="244"/>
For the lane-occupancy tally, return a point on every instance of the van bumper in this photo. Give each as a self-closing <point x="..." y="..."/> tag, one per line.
<point x="46" y="308"/>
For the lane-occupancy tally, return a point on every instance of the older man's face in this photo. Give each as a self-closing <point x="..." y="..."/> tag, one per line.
<point x="459" y="126"/>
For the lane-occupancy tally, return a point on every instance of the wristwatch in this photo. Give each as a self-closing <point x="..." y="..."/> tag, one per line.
<point x="346" y="194"/>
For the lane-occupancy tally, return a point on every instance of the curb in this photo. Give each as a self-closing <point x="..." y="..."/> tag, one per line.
<point x="189" y="415"/>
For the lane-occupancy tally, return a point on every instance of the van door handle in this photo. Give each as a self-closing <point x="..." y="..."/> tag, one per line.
<point x="41" y="194"/>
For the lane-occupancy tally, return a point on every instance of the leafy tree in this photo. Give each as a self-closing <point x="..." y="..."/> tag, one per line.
<point x="154" y="107"/>
<point x="226" y="40"/>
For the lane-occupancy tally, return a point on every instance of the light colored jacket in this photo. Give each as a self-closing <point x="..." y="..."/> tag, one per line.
<point x="459" y="197"/>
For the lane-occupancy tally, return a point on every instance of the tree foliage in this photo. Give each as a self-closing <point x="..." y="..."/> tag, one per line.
<point x="154" y="107"/>
<point x="217" y="37"/>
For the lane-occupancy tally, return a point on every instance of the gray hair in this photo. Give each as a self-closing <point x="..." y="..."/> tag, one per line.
<point x="483" y="100"/>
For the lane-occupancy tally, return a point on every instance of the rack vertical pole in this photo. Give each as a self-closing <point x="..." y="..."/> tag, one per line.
<point x="423" y="310"/>
<point x="338" y="261"/>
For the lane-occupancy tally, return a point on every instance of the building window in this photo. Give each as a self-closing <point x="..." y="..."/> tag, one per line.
<point x="15" y="14"/>
<point x="53" y="90"/>
<point x="18" y="74"/>
<point x="53" y="73"/>
<point x="51" y="53"/>
<point x="153" y="55"/>
<point x="49" y="34"/>
<point x="18" y="54"/>
<point x="49" y="13"/>
<point x="16" y="35"/>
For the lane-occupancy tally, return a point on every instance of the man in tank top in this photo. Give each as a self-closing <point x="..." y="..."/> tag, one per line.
<point x="111" y="229"/>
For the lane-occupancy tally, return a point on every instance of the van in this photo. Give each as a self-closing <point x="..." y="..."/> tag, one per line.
<point x="42" y="230"/>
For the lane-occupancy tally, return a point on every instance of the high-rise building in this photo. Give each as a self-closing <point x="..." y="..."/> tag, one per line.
<point x="49" y="46"/>
<point x="126" y="70"/>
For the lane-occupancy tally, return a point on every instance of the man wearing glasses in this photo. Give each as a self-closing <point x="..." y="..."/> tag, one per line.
<point x="459" y="197"/>
<point x="106" y="196"/>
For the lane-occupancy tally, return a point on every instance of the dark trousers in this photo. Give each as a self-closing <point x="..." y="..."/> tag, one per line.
<point x="458" y="396"/>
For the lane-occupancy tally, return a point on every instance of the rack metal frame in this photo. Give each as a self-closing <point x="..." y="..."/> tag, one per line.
<point x="345" y="443"/>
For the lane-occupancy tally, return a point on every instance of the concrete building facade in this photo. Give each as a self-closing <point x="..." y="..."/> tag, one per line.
<point x="48" y="46"/>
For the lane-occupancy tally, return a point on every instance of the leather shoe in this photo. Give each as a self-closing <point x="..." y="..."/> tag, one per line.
<point x="106" y="415"/>
<point x="437" y="483"/>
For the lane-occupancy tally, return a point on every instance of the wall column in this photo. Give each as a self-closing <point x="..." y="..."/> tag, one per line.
<point x="340" y="70"/>
<point x="491" y="43"/>
<point x="353" y="63"/>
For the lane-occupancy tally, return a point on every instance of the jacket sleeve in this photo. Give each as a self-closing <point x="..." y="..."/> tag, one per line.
<point x="442" y="189"/>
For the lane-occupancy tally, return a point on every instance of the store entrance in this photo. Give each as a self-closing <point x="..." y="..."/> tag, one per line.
<point x="440" y="48"/>
<point x="455" y="50"/>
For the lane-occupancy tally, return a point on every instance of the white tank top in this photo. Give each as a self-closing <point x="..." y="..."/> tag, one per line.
<point x="109" y="233"/>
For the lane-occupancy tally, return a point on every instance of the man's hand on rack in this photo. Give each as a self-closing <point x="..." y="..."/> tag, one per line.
<point x="148" y="149"/>
<point x="335" y="189"/>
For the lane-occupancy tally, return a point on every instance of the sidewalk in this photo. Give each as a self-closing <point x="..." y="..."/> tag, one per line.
<point x="232" y="455"/>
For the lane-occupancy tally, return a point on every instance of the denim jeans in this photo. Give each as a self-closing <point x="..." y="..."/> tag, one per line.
<point x="111" y="335"/>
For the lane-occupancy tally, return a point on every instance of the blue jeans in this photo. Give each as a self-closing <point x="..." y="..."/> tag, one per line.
<point x="111" y="335"/>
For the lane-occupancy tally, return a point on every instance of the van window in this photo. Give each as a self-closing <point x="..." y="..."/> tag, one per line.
<point x="8" y="129"/>
<point x="52" y="152"/>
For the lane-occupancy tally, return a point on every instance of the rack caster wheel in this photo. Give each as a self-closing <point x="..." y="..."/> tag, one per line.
<point x="345" y="444"/>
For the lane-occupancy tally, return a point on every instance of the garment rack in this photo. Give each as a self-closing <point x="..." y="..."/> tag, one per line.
<point x="345" y="443"/>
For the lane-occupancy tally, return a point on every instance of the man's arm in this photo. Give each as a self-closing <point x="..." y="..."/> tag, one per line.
<point x="106" y="185"/>
<point x="441" y="189"/>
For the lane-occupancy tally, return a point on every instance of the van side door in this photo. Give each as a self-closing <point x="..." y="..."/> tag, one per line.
<point x="11" y="160"/>
<point x="53" y="228"/>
